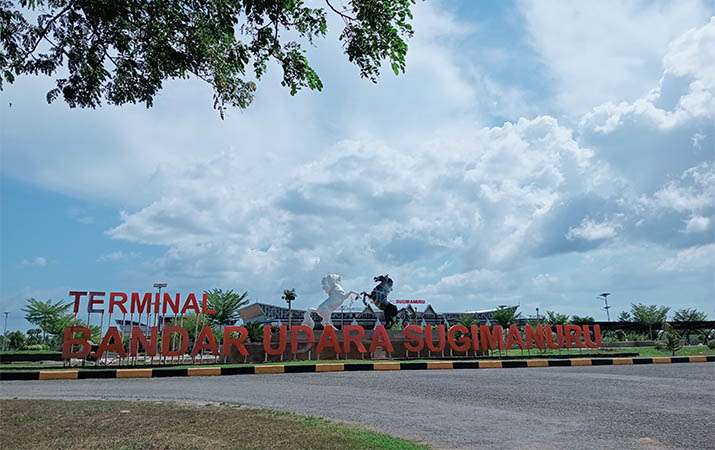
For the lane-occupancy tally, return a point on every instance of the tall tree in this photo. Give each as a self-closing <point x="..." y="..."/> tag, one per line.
<point x="582" y="320"/>
<point x="44" y="314"/>
<point x="123" y="50"/>
<point x="555" y="318"/>
<point x="624" y="316"/>
<point x="226" y="304"/>
<point x="505" y="316"/>
<point x="689" y="315"/>
<point x="649" y="315"/>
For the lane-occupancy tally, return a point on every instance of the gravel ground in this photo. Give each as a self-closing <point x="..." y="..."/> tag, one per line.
<point x="604" y="407"/>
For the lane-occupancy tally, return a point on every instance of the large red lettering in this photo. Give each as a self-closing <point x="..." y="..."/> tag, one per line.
<point x="168" y="302"/>
<point x="95" y="301"/>
<point x="205" y="341"/>
<point x="328" y="339"/>
<point x="191" y="303"/>
<point x="294" y="337"/>
<point x="69" y="341"/>
<point x="145" y="304"/>
<point x="204" y="305"/>
<point x="281" y="342"/>
<point x="166" y="341"/>
<point x="513" y="337"/>
<point x="559" y="337"/>
<point x="534" y="337"/>
<point x="596" y="334"/>
<point x="461" y="344"/>
<point x="112" y="341"/>
<point x="573" y="335"/>
<point x="414" y="334"/>
<point x="381" y="339"/>
<point x="356" y="339"/>
<point x="118" y="303"/>
<point x="138" y="337"/>
<point x="228" y="340"/>
<point x="429" y="342"/>
<point x="77" y="295"/>
<point x="491" y="340"/>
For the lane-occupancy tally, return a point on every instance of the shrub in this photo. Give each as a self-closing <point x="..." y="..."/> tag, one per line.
<point x="671" y="339"/>
<point x="37" y="347"/>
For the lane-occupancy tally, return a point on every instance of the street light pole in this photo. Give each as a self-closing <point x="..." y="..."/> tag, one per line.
<point x="156" y="314"/>
<point x="604" y="296"/>
<point x="4" y="333"/>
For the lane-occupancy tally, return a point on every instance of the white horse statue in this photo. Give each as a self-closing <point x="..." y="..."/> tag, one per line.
<point x="336" y="297"/>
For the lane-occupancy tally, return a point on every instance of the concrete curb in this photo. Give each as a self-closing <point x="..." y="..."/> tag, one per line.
<point x="337" y="367"/>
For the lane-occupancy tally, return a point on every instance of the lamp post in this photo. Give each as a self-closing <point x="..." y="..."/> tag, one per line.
<point x="4" y="333"/>
<point x="537" y="313"/>
<point x="604" y="297"/>
<point x="156" y="313"/>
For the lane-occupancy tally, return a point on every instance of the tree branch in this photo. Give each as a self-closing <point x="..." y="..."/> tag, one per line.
<point x="44" y="31"/>
<point x="340" y="13"/>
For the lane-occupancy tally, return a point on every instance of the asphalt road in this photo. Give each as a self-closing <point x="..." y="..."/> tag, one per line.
<point x="605" y="407"/>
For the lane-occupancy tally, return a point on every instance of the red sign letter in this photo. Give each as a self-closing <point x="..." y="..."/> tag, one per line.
<point x="353" y="339"/>
<point x="69" y="341"/>
<point x="228" y="341"/>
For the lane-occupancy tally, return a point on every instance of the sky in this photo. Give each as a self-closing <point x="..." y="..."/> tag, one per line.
<point x="534" y="153"/>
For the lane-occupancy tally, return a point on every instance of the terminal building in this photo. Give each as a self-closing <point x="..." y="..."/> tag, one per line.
<point x="368" y="317"/>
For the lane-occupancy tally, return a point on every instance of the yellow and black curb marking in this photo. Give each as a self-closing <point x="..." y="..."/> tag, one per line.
<point x="336" y="367"/>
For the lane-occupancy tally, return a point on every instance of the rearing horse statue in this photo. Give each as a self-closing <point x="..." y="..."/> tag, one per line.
<point x="336" y="297"/>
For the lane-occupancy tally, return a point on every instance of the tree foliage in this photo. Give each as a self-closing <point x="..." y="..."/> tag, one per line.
<point x="16" y="340"/>
<point x="649" y="315"/>
<point x="505" y="316"/>
<point x="255" y="331"/>
<point x="671" y="339"/>
<point x="556" y="319"/>
<point x="288" y="295"/>
<point x="624" y="316"/>
<point x="122" y="51"/>
<point x="226" y="304"/>
<point x="689" y="315"/>
<point x="46" y="315"/>
<point x="582" y="320"/>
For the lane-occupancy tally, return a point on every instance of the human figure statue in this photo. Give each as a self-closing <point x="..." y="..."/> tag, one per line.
<point x="336" y="297"/>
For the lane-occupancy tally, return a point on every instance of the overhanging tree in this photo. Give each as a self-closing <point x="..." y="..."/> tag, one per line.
<point x="122" y="51"/>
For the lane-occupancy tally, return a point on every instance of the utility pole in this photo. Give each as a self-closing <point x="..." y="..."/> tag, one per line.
<point x="604" y="297"/>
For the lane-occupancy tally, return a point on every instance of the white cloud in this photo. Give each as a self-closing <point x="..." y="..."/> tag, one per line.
<point x="692" y="258"/>
<point x="116" y="256"/>
<point x="592" y="231"/>
<point x="605" y="51"/>
<point x="38" y="261"/>
<point x="697" y="224"/>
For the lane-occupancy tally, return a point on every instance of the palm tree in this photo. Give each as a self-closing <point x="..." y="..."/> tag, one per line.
<point x="556" y="319"/>
<point x="226" y="304"/>
<point x="505" y="316"/>
<point x="690" y="315"/>
<point x="649" y="315"/>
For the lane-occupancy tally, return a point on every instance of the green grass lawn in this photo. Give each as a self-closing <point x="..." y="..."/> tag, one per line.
<point x="120" y="425"/>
